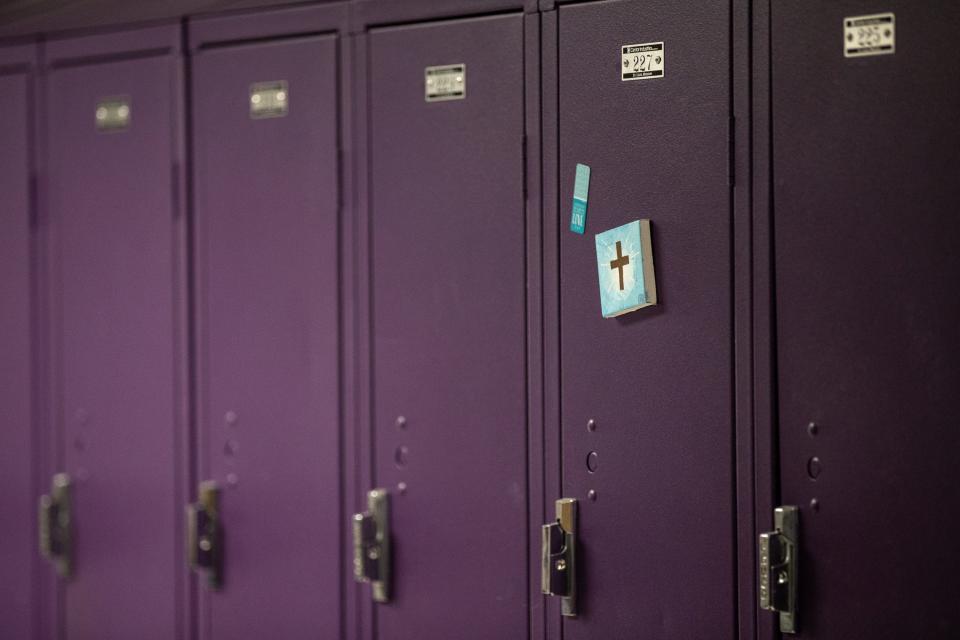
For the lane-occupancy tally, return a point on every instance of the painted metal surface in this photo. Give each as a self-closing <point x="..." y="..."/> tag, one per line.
<point x="646" y="399"/>
<point x="267" y="298"/>
<point x="446" y="260"/>
<point x="114" y="215"/>
<point x="865" y="192"/>
<point x="18" y="548"/>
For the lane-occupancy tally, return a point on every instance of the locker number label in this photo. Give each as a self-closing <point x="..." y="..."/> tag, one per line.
<point x="868" y="35"/>
<point x="641" y="61"/>
<point x="447" y="82"/>
<point x="269" y="99"/>
<point x="113" y="114"/>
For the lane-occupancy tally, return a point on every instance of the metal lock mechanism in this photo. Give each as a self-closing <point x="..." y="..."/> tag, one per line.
<point x="205" y="534"/>
<point x="371" y="545"/>
<point x="558" y="555"/>
<point x="778" y="567"/>
<point x="54" y="525"/>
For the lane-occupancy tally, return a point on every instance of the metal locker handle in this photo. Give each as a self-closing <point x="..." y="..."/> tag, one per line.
<point x="558" y="557"/>
<point x="54" y="525"/>
<point x="778" y="551"/>
<point x="205" y="534"/>
<point x="371" y="545"/>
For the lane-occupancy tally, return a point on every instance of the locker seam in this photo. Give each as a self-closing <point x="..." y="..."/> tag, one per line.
<point x="383" y="26"/>
<point x="732" y="342"/>
<point x="82" y="61"/>
<point x="190" y="312"/>
<point x="269" y="39"/>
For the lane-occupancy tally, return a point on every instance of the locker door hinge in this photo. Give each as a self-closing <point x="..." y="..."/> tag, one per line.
<point x="205" y="534"/>
<point x="371" y="545"/>
<point x="558" y="557"/>
<point x="731" y="151"/>
<point x="54" y="523"/>
<point x="778" y="567"/>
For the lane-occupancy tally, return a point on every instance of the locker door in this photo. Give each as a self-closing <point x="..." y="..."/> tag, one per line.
<point x="17" y="535"/>
<point x="645" y="398"/>
<point x="114" y="216"/>
<point x="266" y="220"/>
<point x="447" y="262"/>
<point x="865" y="168"/>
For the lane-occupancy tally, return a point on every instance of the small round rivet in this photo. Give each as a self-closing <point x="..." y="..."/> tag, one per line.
<point x="230" y="417"/>
<point x="812" y="429"/>
<point x="814" y="467"/>
<point x="401" y="422"/>
<point x="591" y="425"/>
<point x="815" y="505"/>
<point x="561" y="565"/>
<point x="232" y="479"/>
<point x="592" y="495"/>
<point x="205" y="544"/>
<point x="402" y="488"/>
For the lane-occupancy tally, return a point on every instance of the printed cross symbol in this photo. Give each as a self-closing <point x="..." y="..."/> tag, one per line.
<point x="620" y="263"/>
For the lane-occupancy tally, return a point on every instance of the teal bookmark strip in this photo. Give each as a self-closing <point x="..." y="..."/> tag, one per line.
<point x="581" y="188"/>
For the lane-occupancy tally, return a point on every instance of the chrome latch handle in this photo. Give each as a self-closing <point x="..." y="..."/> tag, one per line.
<point x="56" y="544"/>
<point x="778" y="567"/>
<point x="558" y="556"/>
<point x="371" y="545"/>
<point x="205" y="534"/>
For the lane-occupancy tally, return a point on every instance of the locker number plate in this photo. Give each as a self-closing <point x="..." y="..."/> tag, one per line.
<point x="641" y="61"/>
<point x="269" y="99"/>
<point x="448" y="82"/>
<point x="868" y="35"/>
<point x="113" y="114"/>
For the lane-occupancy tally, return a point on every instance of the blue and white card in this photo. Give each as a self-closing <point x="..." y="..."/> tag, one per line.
<point x="581" y="189"/>
<point x="625" y="268"/>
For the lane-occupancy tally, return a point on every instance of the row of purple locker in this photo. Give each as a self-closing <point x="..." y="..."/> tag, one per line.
<point x="298" y="340"/>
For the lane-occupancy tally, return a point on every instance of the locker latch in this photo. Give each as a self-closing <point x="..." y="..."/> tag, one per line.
<point x="558" y="555"/>
<point x="205" y="534"/>
<point x="54" y="525"/>
<point x="371" y="545"/>
<point x="778" y="567"/>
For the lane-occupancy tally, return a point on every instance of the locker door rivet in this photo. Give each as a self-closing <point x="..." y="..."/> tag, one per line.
<point x="230" y="417"/>
<point x="814" y="467"/>
<point x="815" y="505"/>
<point x="402" y="488"/>
<point x="591" y="425"/>
<point x="592" y="495"/>
<point x="812" y="429"/>
<point x="233" y="479"/>
<point x="401" y="422"/>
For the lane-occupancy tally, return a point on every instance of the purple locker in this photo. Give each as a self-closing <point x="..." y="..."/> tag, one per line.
<point x="865" y="168"/>
<point x="266" y="196"/>
<point x="446" y="232"/>
<point x="644" y="403"/>
<point x="115" y="217"/>
<point x="18" y="454"/>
